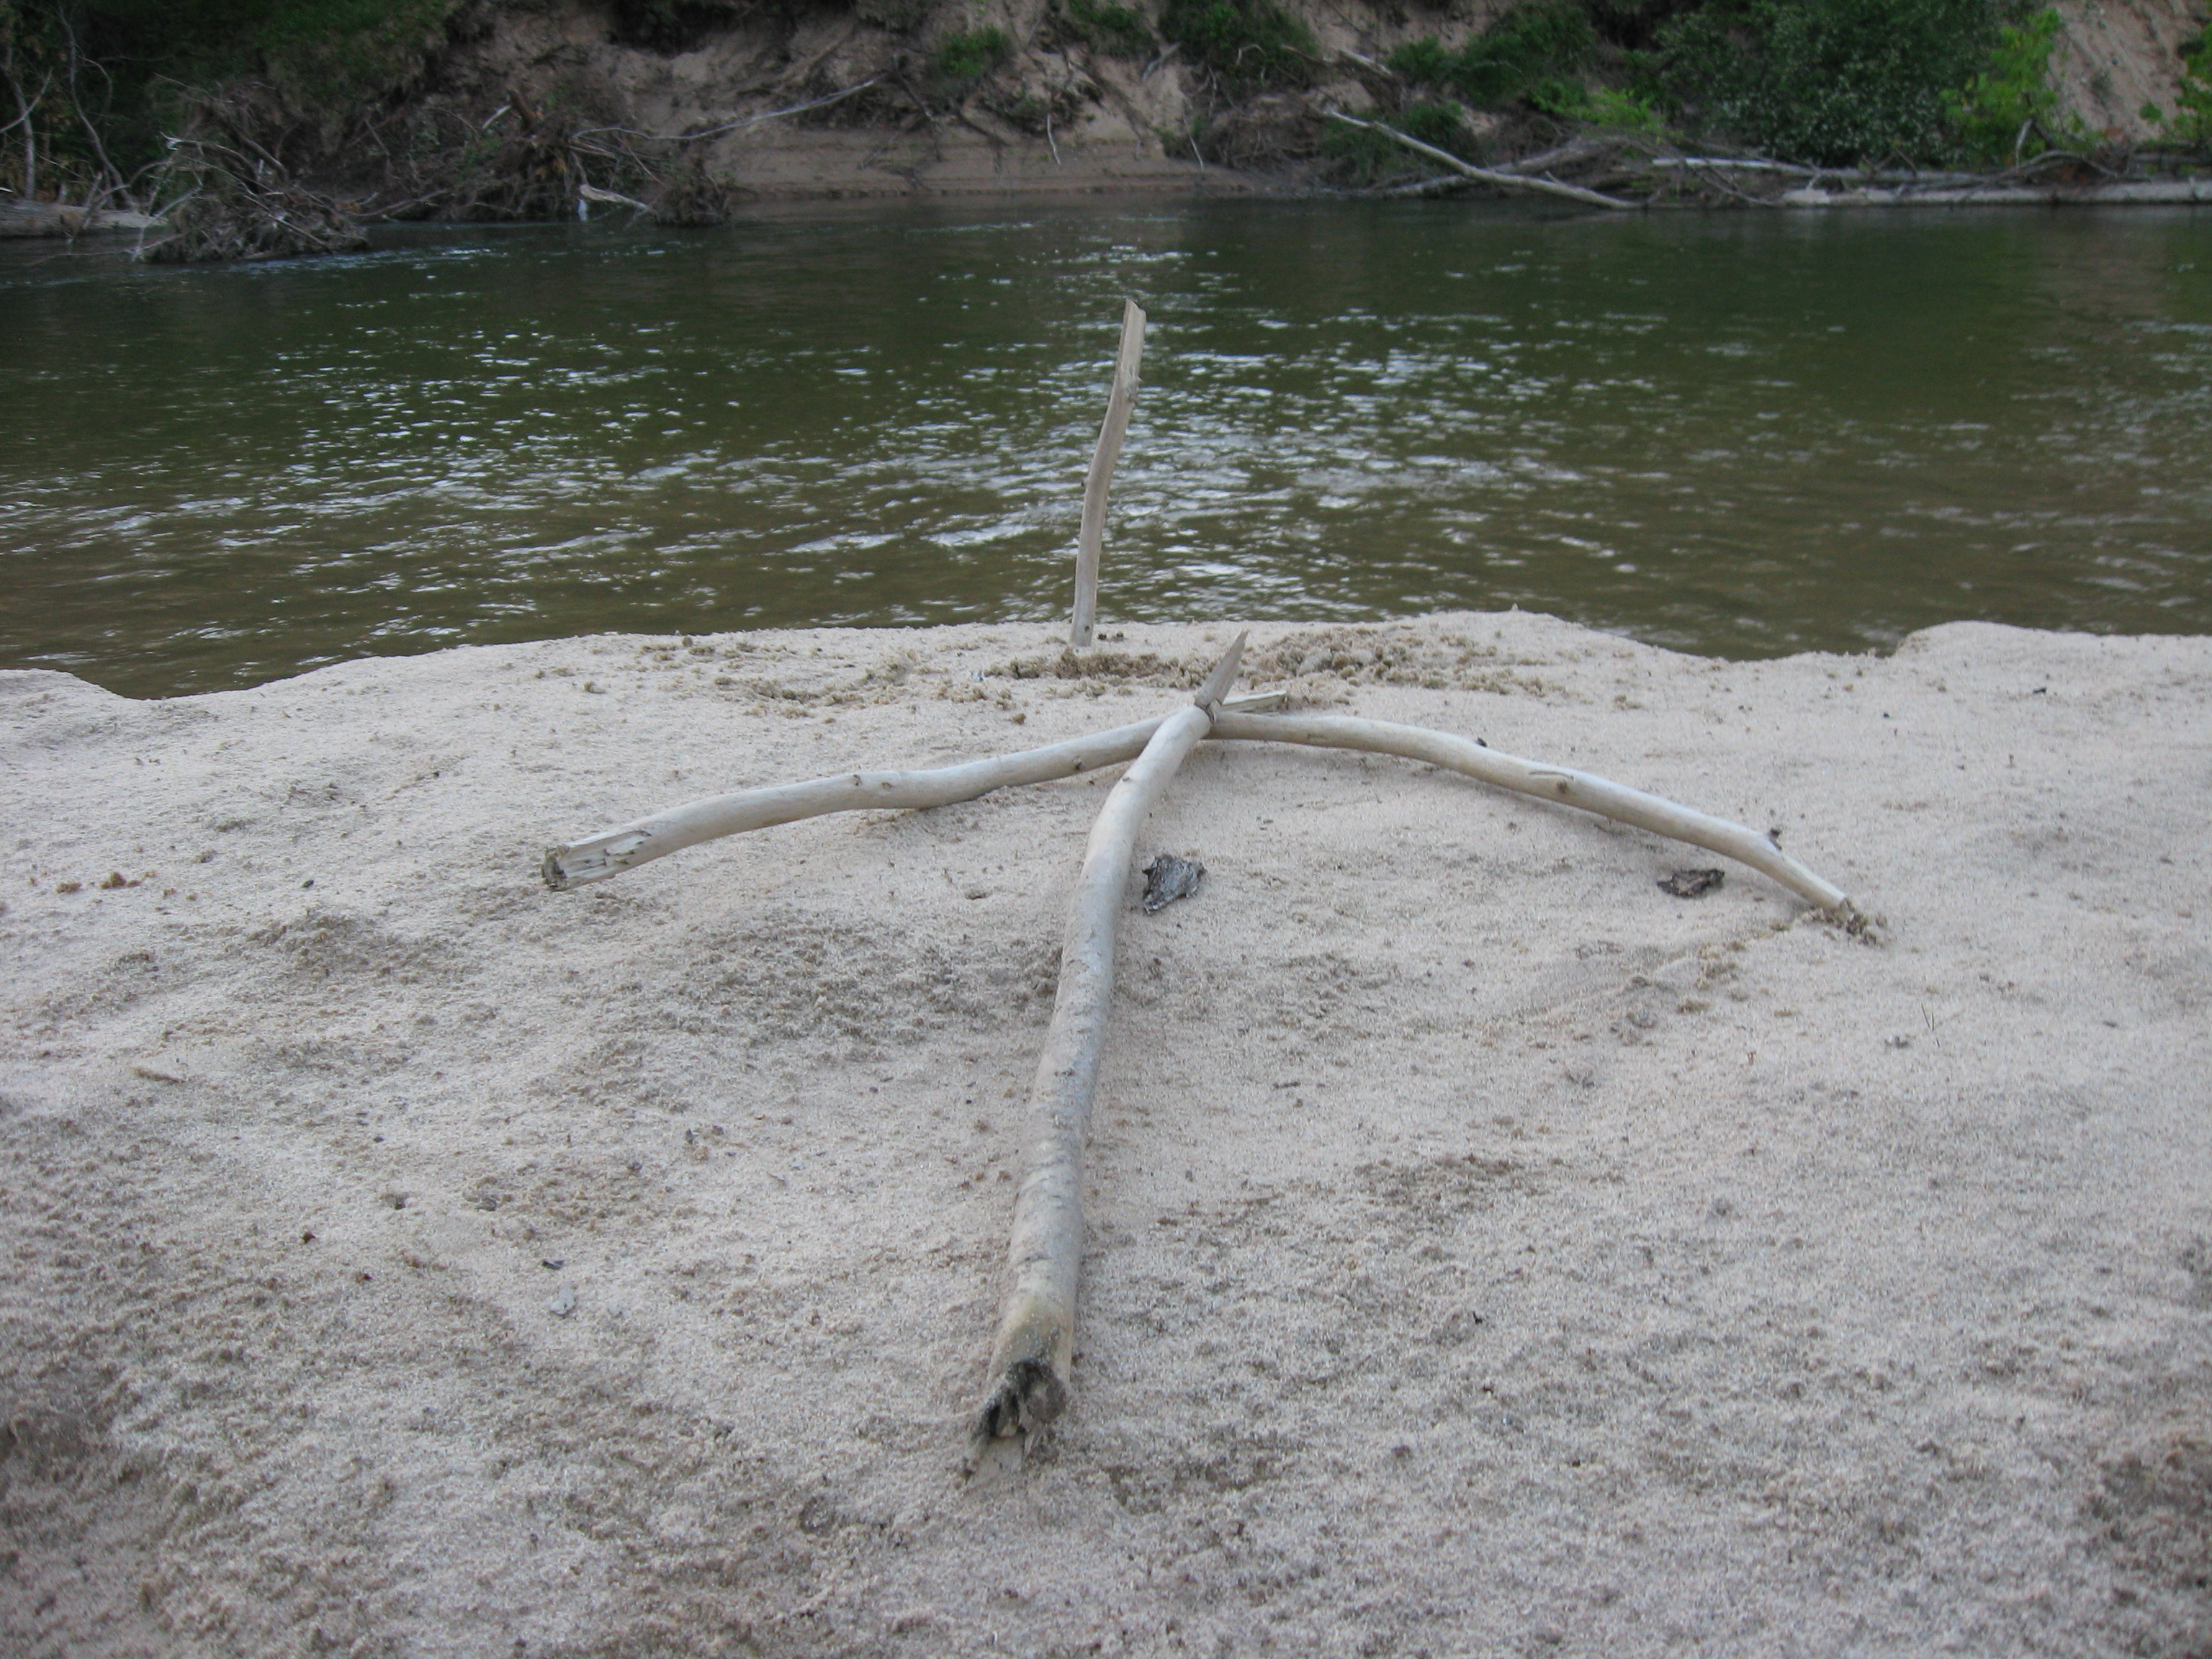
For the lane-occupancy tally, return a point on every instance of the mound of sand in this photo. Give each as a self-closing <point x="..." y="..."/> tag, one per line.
<point x="1490" y="1252"/>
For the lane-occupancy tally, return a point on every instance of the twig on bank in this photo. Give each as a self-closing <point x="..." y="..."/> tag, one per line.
<point x="1575" y="149"/>
<point x="1711" y="178"/>
<point x="608" y="198"/>
<point x="1435" y="184"/>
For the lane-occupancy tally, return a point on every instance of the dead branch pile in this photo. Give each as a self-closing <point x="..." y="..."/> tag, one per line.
<point x="227" y="196"/>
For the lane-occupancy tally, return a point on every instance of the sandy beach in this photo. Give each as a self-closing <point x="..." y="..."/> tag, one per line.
<point x="1490" y="1253"/>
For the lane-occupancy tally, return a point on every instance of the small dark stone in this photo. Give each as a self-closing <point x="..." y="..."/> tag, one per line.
<point x="1167" y="879"/>
<point x="1692" y="883"/>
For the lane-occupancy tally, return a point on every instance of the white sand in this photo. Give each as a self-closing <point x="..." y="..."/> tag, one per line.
<point x="1490" y="1253"/>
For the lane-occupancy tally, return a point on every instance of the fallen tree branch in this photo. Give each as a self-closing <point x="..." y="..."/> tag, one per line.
<point x="1575" y="149"/>
<point x="1553" y="783"/>
<point x="607" y="198"/>
<point x="1090" y="540"/>
<point x="1031" y="1358"/>
<point x="1487" y="175"/>
<point x="1790" y="169"/>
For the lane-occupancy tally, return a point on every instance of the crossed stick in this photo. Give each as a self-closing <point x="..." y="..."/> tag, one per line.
<point x="1028" y="1378"/>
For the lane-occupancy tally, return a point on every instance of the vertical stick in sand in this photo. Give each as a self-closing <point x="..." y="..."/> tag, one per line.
<point x="1090" y="542"/>
<point x="1030" y="1361"/>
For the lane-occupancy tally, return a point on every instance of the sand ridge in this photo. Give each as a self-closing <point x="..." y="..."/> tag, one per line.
<point x="1490" y="1253"/>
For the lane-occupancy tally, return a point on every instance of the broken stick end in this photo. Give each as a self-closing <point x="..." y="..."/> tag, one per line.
<point x="1028" y="1395"/>
<point x="595" y="859"/>
<point x="1223" y="675"/>
<point x="1856" y="922"/>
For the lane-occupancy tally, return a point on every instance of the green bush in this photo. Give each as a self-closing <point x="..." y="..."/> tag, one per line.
<point x="1832" y="83"/>
<point x="1532" y="52"/>
<point x="2190" y="124"/>
<point x="1599" y="106"/>
<point x="337" y="49"/>
<point x="334" y="54"/>
<point x="1995" y="113"/>
<point x="1626" y="112"/>
<point x="1438" y="124"/>
<point x="1248" y="43"/>
<point x="1365" y="157"/>
<point x="963" y="59"/>
<point x="1117" y="31"/>
<point x="131" y="59"/>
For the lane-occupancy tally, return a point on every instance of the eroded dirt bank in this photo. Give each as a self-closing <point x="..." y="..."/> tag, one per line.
<point x="1061" y="104"/>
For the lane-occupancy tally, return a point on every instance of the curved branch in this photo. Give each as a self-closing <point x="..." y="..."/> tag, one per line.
<point x="1553" y="783"/>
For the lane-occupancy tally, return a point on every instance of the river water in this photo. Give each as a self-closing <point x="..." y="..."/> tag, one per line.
<point x="1738" y="434"/>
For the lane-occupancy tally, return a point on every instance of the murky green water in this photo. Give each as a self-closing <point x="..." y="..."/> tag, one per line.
<point x="1736" y="433"/>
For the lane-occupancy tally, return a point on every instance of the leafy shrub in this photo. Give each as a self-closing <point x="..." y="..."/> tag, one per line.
<point x="1532" y="52"/>
<point x="1438" y="124"/>
<point x="1117" y="31"/>
<point x="1601" y="107"/>
<point x="332" y="50"/>
<point x="1248" y="43"/>
<point x="963" y="59"/>
<point x="1632" y="24"/>
<point x="1829" y="81"/>
<point x="133" y="60"/>
<point x="1998" y="107"/>
<point x="335" y="53"/>
<point x="2190" y="124"/>
<point x="1364" y="157"/>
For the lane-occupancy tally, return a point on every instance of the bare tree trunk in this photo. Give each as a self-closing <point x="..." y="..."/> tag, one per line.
<point x="24" y="108"/>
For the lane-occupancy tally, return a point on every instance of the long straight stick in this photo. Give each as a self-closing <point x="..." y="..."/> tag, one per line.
<point x="1031" y="1359"/>
<point x="611" y="852"/>
<point x="1090" y="541"/>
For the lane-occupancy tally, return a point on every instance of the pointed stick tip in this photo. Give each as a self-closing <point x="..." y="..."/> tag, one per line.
<point x="1224" y="673"/>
